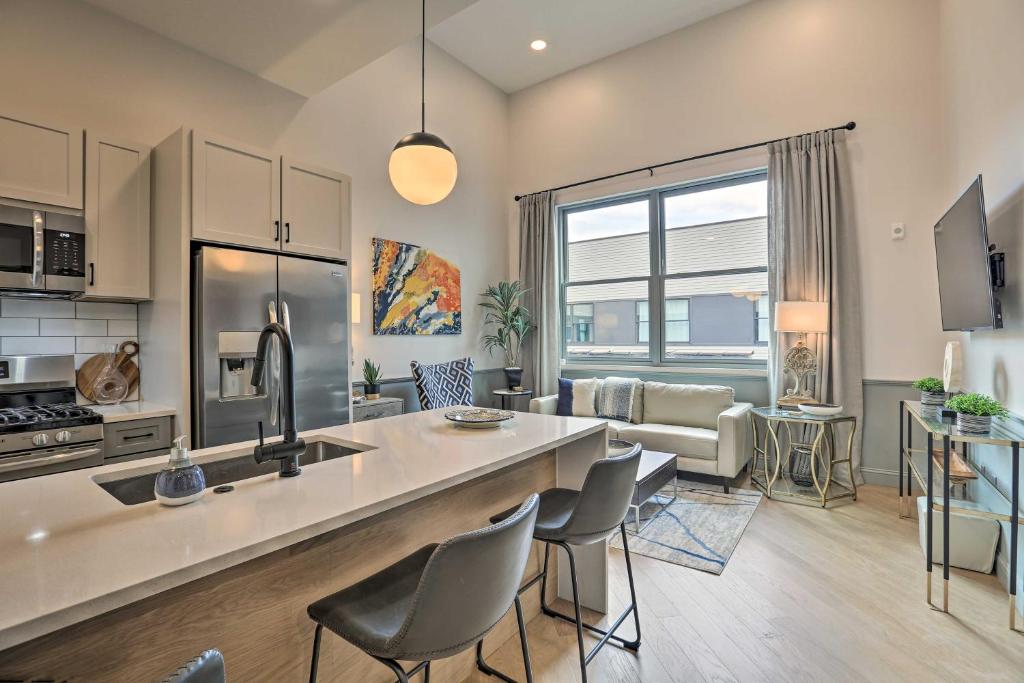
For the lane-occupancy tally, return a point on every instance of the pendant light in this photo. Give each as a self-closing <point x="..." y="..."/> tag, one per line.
<point x="422" y="167"/>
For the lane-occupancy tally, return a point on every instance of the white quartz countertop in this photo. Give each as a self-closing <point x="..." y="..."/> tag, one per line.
<point x="70" y="551"/>
<point x="132" y="410"/>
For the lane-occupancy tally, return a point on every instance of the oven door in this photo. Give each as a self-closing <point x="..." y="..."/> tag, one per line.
<point x="50" y="460"/>
<point x="21" y="248"/>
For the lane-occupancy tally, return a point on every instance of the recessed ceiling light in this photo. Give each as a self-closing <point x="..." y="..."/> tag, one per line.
<point x="539" y="45"/>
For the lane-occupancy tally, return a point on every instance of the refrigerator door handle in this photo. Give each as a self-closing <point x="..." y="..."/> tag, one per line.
<point x="286" y="319"/>
<point x="273" y="385"/>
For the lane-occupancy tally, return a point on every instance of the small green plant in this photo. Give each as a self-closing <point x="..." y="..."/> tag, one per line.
<point x="510" y="318"/>
<point x="933" y="384"/>
<point x="976" y="404"/>
<point x="371" y="372"/>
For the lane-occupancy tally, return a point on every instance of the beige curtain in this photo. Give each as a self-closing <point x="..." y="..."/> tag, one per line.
<point x="538" y="247"/>
<point x="812" y="256"/>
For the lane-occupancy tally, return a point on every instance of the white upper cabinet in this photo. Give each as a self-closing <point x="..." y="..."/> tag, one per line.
<point x="316" y="209"/>
<point x="117" y="219"/>
<point x="41" y="163"/>
<point x="236" y="193"/>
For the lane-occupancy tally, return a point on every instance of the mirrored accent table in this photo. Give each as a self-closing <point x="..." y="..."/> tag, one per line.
<point x="790" y="437"/>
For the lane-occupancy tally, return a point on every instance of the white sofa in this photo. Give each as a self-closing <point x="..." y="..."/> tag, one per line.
<point x="702" y="424"/>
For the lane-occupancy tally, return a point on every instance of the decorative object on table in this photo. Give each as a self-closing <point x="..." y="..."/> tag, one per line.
<point x="422" y="167"/>
<point x="699" y="530"/>
<point x="615" y="398"/>
<point x="179" y="482"/>
<point x="371" y="379"/>
<point x="108" y="378"/>
<point x="511" y="320"/>
<point x="385" y="406"/>
<point x="801" y="317"/>
<point x="440" y="385"/>
<point x="786" y="466"/>
<point x="952" y="368"/>
<point x="478" y="418"/>
<point x="974" y="412"/>
<point x="820" y="409"/>
<point x="577" y="397"/>
<point x="507" y="396"/>
<point x="933" y="392"/>
<point x="415" y="291"/>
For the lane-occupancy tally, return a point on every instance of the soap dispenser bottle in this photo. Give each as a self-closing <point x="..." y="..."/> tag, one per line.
<point x="179" y="482"/>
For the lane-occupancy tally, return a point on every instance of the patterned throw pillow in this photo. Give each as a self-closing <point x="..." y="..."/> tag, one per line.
<point x="444" y="384"/>
<point x="577" y="397"/>
<point x="616" y="400"/>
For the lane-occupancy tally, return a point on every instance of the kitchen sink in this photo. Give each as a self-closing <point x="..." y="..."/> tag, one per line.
<point x="139" y="489"/>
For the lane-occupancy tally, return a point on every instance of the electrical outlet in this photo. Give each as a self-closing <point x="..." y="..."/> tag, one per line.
<point x="898" y="231"/>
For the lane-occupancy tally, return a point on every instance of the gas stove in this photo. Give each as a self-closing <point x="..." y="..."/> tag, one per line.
<point x="42" y="429"/>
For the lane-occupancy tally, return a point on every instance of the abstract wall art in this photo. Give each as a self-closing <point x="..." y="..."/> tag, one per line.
<point x="415" y="291"/>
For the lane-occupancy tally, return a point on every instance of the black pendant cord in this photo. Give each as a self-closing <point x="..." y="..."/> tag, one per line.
<point x="847" y="126"/>
<point x="423" y="67"/>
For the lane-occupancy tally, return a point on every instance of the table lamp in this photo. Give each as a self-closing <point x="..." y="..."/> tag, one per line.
<point x="801" y="317"/>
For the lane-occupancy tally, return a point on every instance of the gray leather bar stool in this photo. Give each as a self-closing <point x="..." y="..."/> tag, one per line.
<point x="592" y="514"/>
<point x="438" y="601"/>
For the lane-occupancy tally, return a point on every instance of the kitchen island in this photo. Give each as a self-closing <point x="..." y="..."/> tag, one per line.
<point x="93" y="589"/>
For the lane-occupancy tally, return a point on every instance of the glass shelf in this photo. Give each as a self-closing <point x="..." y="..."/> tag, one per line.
<point x="1005" y="430"/>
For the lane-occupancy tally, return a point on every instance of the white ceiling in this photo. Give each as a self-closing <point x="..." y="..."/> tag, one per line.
<point x="493" y="37"/>
<point x="302" y="45"/>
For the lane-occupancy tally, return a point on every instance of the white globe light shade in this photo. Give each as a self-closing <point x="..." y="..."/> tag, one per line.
<point x="422" y="168"/>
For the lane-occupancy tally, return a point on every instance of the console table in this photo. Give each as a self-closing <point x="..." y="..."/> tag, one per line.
<point x="1006" y="432"/>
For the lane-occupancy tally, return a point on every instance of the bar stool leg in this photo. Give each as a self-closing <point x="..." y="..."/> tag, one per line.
<point x="316" y="653"/>
<point x="490" y="671"/>
<point x="576" y="607"/>
<point x="635" y="644"/>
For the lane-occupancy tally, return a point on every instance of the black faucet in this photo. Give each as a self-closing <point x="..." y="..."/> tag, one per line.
<point x="289" y="450"/>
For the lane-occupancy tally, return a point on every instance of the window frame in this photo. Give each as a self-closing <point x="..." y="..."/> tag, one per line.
<point x="656" y="277"/>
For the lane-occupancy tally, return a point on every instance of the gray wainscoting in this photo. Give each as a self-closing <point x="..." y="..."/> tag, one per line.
<point x="484" y="382"/>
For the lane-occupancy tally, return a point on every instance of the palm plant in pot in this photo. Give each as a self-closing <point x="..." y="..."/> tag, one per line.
<point x="933" y="392"/>
<point x="974" y="412"/>
<point x="511" y="320"/>
<point x="371" y="380"/>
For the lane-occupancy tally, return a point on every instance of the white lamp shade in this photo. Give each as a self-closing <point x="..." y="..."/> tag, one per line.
<point x="423" y="173"/>
<point x="801" y="316"/>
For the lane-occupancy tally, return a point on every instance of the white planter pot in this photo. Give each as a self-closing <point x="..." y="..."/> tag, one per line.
<point x="973" y="424"/>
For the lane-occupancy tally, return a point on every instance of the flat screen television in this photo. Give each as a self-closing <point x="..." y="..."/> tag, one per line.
<point x="966" y="289"/>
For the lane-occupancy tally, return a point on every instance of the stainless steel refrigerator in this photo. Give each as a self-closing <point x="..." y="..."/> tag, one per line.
<point x="234" y="294"/>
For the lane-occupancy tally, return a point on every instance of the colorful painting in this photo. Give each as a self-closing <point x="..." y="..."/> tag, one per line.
<point x="415" y="291"/>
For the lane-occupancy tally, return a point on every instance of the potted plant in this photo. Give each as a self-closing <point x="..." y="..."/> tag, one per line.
<point x="933" y="392"/>
<point x="371" y="380"/>
<point x="974" y="412"/>
<point x="511" y="321"/>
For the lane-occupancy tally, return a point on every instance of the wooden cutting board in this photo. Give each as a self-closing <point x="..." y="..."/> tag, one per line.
<point x="92" y="368"/>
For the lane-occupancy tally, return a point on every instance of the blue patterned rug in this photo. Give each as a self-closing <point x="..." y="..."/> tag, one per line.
<point x="699" y="530"/>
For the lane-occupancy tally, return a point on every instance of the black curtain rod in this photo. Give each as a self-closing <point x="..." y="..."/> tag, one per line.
<point x="847" y="126"/>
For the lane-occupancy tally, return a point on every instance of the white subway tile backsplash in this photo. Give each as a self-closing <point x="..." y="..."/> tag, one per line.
<point x="55" y="327"/>
<point x="98" y="344"/>
<point x="35" y="346"/>
<point x="19" y="327"/>
<point x="107" y="311"/>
<point x="126" y="328"/>
<point x="38" y="308"/>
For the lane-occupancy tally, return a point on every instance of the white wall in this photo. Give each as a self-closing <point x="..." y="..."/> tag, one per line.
<point x="66" y="61"/>
<point x="982" y="57"/>
<point x="769" y="69"/>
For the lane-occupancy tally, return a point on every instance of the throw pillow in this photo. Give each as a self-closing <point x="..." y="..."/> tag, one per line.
<point x="577" y="397"/>
<point x="617" y="397"/>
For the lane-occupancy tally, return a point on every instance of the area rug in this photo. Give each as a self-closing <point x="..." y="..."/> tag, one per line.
<point x="699" y="530"/>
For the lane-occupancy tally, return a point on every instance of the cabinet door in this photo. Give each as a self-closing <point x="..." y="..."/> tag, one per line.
<point x="40" y="163"/>
<point x="117" y="219"/>
<point x="236" y="193"/>
<point x="316" y="211"/>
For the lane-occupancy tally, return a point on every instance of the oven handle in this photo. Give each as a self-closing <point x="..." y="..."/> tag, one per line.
<point x="38" y="237"/>
<point x="67" y="456"/>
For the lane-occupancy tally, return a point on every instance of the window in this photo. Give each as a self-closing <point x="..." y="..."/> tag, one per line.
<point x="581" y="324"/>
<point x="762" y="319"/>
<point x="676" y="275"/>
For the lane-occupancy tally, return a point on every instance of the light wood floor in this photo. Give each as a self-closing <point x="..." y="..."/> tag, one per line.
<point x="809" y="595"/>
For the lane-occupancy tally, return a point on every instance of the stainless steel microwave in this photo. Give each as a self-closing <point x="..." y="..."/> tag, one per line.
<point x="42" y="252"/>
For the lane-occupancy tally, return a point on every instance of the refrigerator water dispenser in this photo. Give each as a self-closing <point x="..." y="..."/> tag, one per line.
<point x="237" y="352"/>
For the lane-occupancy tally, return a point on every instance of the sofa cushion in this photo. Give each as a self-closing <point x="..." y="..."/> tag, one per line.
<point x="615" y="428"/>
<point x="687" y="405"/>
<point x="690" y="442"/>
<point x="638" y="403"/>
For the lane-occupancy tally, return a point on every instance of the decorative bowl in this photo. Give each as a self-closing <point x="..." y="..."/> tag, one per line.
<point x="821" y="409"/>
<point x="478" y="418"/>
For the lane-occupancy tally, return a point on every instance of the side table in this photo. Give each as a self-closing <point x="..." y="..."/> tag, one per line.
<point x="508" y="396"/>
